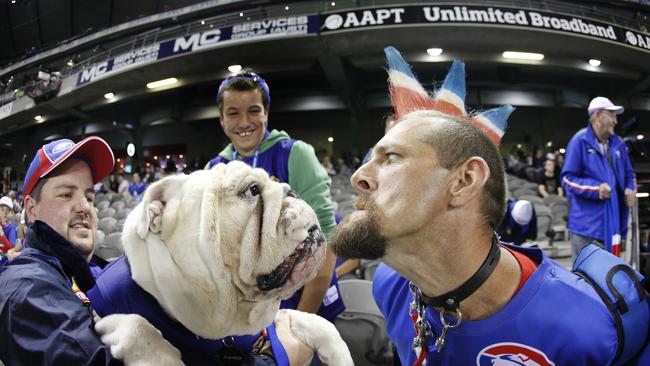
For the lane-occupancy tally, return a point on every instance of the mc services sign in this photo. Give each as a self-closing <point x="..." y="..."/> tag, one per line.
<point x="448" y="14"/>
<point x="249" y="31"/>
<point x="200" y="41"/>
<point x="120" y="62"/>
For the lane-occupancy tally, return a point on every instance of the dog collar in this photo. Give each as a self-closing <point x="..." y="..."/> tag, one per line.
<point x="451" y="300"/>
<point x="450" y="303"/>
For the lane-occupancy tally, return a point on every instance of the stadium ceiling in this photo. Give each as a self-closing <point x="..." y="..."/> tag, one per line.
<point x="344" y="66"/>
<point x="28" y="26"/>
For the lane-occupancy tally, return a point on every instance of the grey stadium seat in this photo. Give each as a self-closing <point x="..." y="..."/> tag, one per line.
<point x="552" y="198"/>
<point x="531" y="198"/>
<point x="118" y="205"/>
<point x="99" y="238"/>
<point x="107" y="253"/>
<point x="107" y="212"/>
<point x="107" y="224"/>
<point x="541" y="208"/>
<point x="560" y="212"/>
<point x="523" y="192"/>
<point x="544" y="222"/>
<point x="111" y="248"/>
<point x="122" y="213"/>
<point x="362" y="325"/>
<point x="101" y="205"/>
<point x="368" y="268"/>
<point x="114" y="240"/>
<point x="119" y="197"/>
<point x="120" y="225"/>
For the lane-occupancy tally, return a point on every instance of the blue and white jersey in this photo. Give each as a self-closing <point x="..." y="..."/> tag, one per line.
<point x="556" y="318"/>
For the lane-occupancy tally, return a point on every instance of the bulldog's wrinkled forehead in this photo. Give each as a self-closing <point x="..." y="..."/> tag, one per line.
<point x="238" y="174"/>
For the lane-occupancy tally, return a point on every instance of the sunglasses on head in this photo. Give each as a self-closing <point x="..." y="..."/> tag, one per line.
<point x="246" y="75"/>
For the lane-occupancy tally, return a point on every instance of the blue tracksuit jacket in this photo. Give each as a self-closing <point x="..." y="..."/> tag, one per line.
<point x="585" y="168"/>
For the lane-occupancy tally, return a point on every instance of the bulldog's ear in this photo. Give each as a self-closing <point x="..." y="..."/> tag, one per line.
<point x="152" y="208"/>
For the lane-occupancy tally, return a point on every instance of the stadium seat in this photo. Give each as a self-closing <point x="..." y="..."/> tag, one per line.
<point x="362" y="325"/>
<point x="122" y="213"/>
<point x="114" y="240"/>
<point x="541" y="208"/>
<point x="544" y="223"/>
<point x="552" y="198"/>
<point x="101" y="205"/>
<point x="523" y="191"/>
<point x="107" y="253"/>
<point x="107" y="212"/>
<point x="531" y="198"/>
<point x="118" y="197"/>
<point x="560" y="212"/>
<point x="111" y="247"/>
<point x="107" y="224"/>
<point x="368" y="268"/>
<point x="99" y="238"/>
<point x="120" y="225"/>
<point x="118" y="205"/>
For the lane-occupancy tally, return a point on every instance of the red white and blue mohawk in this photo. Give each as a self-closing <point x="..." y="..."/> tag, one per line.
<point x="408" y="95"/>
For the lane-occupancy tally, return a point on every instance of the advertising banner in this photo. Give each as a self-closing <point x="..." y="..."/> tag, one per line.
<point x="485" y="15"/>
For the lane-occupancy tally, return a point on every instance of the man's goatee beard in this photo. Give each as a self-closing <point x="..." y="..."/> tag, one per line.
<point x="360" y="239"/>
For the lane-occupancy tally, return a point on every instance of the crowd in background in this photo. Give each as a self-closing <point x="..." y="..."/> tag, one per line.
<point x="540" y="166"/>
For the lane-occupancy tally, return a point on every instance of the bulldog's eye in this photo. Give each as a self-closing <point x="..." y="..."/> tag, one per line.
<point x="253" y="190"/>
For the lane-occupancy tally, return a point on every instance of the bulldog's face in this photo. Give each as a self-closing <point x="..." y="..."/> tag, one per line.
<point x="219" y="248"/>
<point x="270" y="237"/>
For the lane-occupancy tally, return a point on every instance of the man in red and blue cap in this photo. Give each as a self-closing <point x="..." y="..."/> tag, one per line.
<point x="45" y="317"/>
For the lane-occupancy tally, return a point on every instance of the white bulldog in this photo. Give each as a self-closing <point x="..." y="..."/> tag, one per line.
<point x="218" y="249"/>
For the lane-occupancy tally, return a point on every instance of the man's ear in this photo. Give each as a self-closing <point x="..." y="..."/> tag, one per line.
<point x="468" y="181"/>
<point x="30" y="208"/>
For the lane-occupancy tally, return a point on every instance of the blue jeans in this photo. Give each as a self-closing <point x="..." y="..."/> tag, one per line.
<point x="578" y="242"/>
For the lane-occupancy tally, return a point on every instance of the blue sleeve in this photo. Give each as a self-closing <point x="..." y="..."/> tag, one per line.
<point x="572" y="177"/>
<point x="629" y="172"/>
<point x="42" y="324"/>
<point x="11" y="236"/>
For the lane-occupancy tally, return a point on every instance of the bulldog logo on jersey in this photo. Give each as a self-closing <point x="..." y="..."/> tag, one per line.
<point x="506" y="354"/>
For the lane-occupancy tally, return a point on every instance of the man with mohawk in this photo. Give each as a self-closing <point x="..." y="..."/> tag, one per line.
<point x="431" y="197"/>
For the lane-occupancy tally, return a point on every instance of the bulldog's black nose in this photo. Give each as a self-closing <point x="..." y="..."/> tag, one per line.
<point x="292" y="193"/>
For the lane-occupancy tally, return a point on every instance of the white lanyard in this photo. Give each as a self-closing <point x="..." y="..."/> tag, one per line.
<point x="255" y="155"/>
